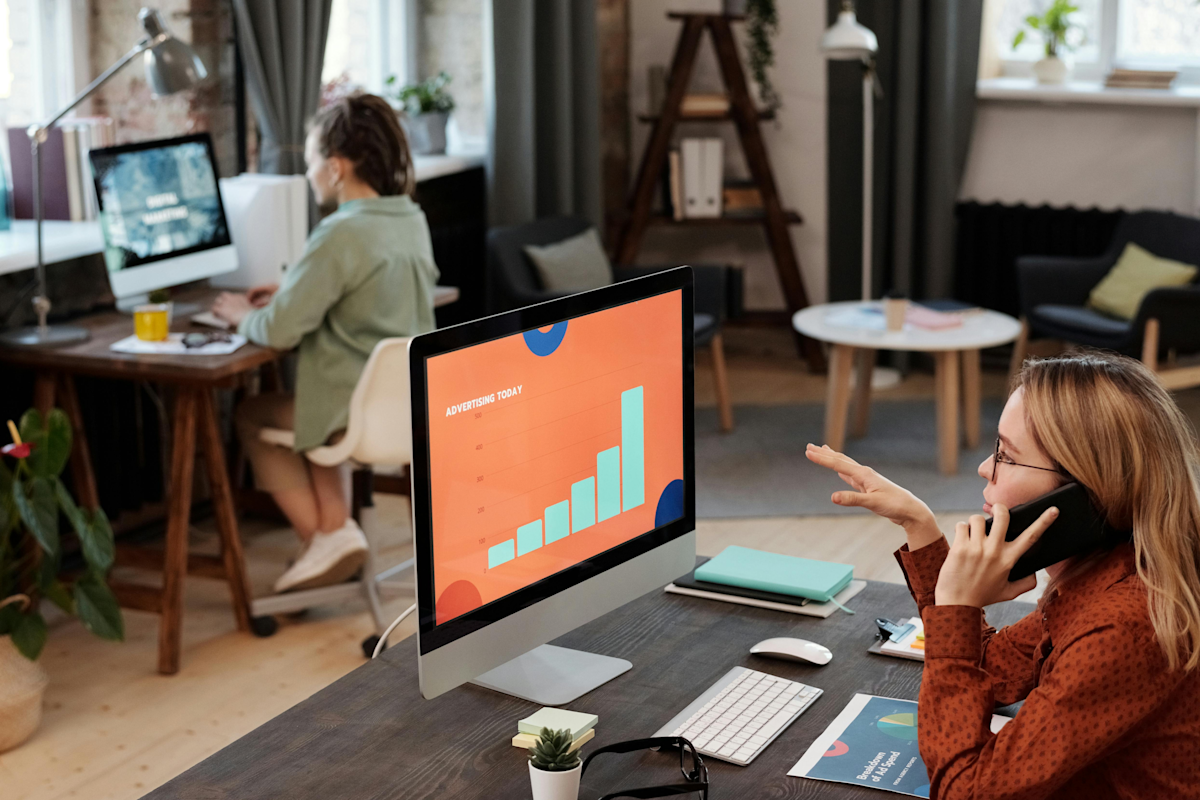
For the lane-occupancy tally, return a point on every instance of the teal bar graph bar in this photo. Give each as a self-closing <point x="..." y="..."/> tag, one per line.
<point x="529" y="537"/>
<point x="500" y="553"/>
<point x="558" y="521"/>
<point x="633" y="441"/>
<point x="608" y="483"/>
<point x="583" y="504"/>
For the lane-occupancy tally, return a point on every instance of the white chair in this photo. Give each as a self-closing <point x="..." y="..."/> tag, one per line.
<point x="378" y="436"/>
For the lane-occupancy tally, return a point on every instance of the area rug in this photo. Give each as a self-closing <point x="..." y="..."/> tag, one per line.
<point x="759" y="470"/>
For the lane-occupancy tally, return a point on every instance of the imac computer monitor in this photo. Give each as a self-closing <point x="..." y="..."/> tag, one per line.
<point x="161" y="213"/>
<point x="553" y="481"/>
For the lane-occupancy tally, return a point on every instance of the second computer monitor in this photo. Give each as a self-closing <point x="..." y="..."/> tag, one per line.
<point x="553" y="474"/>
<point x="161" y="211"/>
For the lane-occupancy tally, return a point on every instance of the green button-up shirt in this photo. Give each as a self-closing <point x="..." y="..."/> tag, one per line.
<point x="367" y="274"/>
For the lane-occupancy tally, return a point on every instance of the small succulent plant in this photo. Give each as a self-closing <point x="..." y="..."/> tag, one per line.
<point x="552" y="753"/>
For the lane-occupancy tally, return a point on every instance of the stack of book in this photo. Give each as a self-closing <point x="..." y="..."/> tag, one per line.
<point x="742" y="198"/>
<point x="695" y="174"/>
<point x="582" y="727"/>
<point x="1140" y="79"/>
<point x="704" y="105"/>
<point x="767" y="580"/>
<point x="68" y="191"/>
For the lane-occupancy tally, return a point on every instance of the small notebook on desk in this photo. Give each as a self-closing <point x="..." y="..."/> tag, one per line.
<point x="910" y="646"/>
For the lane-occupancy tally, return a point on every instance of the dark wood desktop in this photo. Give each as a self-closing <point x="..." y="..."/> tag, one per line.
<point x="371" y="735"/>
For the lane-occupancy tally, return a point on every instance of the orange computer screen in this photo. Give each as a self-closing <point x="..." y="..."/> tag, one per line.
<point x="549" y="447"/>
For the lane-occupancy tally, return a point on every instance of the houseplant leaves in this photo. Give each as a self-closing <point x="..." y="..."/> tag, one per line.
<point x="97" y="608"/>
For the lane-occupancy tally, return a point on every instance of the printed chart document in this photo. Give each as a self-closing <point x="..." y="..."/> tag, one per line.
<point x="873" y="742"/>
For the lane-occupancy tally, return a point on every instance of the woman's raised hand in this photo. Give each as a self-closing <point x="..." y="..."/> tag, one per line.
<point x="876" y="493"/>
<point x="975" y="573"/>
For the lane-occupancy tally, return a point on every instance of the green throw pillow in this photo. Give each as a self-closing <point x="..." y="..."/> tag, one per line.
<point x="1135" y="274"/>
<point x="572" y="265"/>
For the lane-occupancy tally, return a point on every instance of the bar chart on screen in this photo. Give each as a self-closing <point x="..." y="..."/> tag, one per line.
<point x="550" y="447"/>
<point x="593" y="499"/>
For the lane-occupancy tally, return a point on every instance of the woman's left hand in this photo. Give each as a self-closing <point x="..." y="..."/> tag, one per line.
<point x="975" y="572"/>
<point x="232" y="307"/>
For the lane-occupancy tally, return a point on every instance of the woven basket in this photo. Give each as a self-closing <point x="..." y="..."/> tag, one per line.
<point x="22" y="684"/>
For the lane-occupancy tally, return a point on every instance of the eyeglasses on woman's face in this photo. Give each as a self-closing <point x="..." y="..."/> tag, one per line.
<point x="1000" y="457"/>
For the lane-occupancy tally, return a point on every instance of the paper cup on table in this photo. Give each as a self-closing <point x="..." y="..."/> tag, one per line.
<point x="151" y="322"/>
<point x="894" y="311"/>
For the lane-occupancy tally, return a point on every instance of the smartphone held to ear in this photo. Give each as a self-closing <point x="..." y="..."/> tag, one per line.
<point x="1079" y="529"/>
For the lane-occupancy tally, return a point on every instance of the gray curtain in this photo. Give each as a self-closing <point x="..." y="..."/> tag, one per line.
<point x="927" y="64"/>
<point x="283" y="48"/>
<point x="543" y="111"/>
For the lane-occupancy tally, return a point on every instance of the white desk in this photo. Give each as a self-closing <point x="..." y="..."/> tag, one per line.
<point x="427" y="168"/>
<point x="66" y="240"/>
<point x="950" y="347"/>
<point x="60" y="241"/>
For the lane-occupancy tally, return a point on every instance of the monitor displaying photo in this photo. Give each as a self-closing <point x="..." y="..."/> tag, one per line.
<point x="158" y="200"/>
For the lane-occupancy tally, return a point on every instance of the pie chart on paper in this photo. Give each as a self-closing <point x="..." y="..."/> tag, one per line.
<point x="899" y="726"/>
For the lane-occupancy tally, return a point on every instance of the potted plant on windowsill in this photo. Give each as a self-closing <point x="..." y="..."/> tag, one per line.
<point x="554" y="769"/>
<point x="425" y="109"/>
<point x="31" y="499"/>
<point x="1057" y="30"/>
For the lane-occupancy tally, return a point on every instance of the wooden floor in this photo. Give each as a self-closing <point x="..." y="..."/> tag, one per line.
<point x="114" y="729"/>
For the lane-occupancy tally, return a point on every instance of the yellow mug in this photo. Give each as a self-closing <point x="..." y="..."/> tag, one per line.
<point x="151" y="322"/>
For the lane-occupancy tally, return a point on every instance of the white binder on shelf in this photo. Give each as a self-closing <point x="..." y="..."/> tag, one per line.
<point x="702" y="177"/>
<point x="691" y="153"/>
<point x="714" y="174"/>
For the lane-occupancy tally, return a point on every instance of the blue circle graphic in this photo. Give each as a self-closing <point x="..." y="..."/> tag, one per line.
<point x="543" y="343"/>
<point x="670" y="504"/>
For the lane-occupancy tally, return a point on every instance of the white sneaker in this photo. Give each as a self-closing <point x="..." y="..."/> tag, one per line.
<point x="330" y="558"/>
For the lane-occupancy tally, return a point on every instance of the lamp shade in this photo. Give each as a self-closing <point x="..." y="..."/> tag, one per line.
<point x="846" y="40"/>
<point x="171" y="65"/>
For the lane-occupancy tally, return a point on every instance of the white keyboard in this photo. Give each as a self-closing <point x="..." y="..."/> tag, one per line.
<point x="210" y="319"/>
<point x="741" y="714"/>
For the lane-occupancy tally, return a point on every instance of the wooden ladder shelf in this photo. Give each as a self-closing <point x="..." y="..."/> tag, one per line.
<point x="775" y="220"/>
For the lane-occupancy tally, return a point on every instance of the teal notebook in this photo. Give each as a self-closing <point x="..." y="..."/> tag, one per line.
<point x="771" y="572"/>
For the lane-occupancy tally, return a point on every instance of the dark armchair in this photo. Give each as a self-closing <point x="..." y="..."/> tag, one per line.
<point x="514" y="283"/>
<point x="1054" y="292"/>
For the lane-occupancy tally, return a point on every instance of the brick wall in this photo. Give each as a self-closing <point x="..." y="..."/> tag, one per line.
<point x="208" y="26"/>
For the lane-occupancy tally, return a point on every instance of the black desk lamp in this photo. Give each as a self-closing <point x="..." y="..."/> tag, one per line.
<point x="171" y="66"/>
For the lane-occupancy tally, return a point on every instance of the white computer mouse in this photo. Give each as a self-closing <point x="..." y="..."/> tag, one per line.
<point x="793" y="650"/>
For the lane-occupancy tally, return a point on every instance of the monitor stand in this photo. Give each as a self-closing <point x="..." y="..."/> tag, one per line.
<point x="553" y="676"/>
<point x="179" y="310"/>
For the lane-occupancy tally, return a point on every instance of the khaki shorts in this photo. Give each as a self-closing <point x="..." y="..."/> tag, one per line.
<point x="276" y="468"/>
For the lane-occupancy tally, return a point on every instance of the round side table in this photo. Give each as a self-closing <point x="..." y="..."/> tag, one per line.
<point x="951" y="347"/>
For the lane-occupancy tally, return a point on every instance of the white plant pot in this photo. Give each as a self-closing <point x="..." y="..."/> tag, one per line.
<point x="1051" y="69"/>
<point x="426" y="132"/>
<point x="22" y="684"/>
<point x="555" y="785"/>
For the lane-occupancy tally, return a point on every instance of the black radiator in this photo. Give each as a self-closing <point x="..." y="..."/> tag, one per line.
<point x="991" y="237"/>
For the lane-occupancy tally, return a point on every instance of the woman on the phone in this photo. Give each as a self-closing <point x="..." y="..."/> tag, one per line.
<point x="1108" y="664"/>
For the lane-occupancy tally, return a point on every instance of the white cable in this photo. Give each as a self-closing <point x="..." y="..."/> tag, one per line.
<point x="382" y="643"/>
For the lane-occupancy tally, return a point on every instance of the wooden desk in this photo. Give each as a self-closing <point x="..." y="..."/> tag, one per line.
<point x="193" y="380"/>
<point x="371" y="734"/>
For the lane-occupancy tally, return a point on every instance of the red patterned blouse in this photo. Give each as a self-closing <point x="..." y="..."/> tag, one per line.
<point x="1102" y="715"/>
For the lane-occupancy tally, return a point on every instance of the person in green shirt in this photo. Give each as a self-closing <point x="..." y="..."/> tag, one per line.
<point x="367" y="273"/>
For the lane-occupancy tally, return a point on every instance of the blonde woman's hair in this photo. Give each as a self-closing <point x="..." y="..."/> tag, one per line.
<point x="1107" y="421"/>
